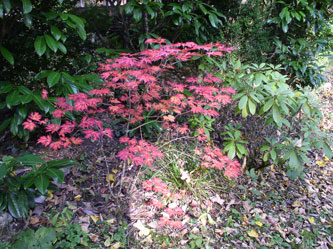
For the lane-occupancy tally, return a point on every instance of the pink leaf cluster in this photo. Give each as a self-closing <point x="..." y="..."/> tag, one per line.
<point x="139" y="153"/>
<point x="212" y="157"/>
<point x="171" y="216"/>
<point x="134" y="86"/>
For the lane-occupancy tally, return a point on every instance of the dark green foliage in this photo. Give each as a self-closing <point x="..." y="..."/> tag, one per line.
<point x="43" y="238"/>
<point x="274" y="123"/>
<point x="40" y="49"/>
<point x="71" y="237"/>
<point x="26" y="177"/>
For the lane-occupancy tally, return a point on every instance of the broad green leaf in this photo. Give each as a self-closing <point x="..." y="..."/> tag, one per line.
<point x="232" y="152"/>
<point x="29" y="160"/>
<point x="27" y="20"/>
<point x="55" y="32"/>
<point x="241" y="149"/>
<point x="264" y="148"/>
<point x="82" y="33"/>
<point x="41" y="182"/>
<point x="56" y="174"/>
<point x="62" y="48"/>
<point x="27" y="6"/>
<point x="5" y="124"/>
<point x="3" y="201"/>
<point x="7" y="4"/>
<point x="26" y="99"/>
<point x="42" y="104"/>
<point x="5" y="86"/>
<point x="3" y="170"/>
<point x="53" y="78"/>
<point x="273" y="154"/>
<point x="293" y="173"/>
<point x="327" y="150"/>
<point x="137" y="14"/>
<point x="294" y="159"/>
<point x="51" y="43"/>
<point x="17" y="204"/>
<point x="213" y="20"/>
<point x="45" y="237"/>
<point x="7" y="55"/>
<point x="252" y="107"/>
<point x="13" y="98"/>
<point x="77" y="20"/>
<point x="24" y="90"/>
<point x="242" y="102"/>
<point x="245" y="112"/>
<point x="22" y="111"/>
<point x="276" y="114"/>
<point x="61" y="163"/>
<point x="40" y="45"/>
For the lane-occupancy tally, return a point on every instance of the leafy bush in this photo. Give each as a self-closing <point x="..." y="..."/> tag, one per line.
<point x="39" y="54"/>
<point x="24" y="178"/>
<point x="277" y="123"/>
<point x="139" y="92"/>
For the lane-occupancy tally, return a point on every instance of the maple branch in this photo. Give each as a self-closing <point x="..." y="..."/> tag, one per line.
<point x="143" y="125"/>
<point x="178" y="138"/>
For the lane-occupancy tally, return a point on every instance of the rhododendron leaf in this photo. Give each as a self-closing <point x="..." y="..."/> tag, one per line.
<point x="5" y="87"/>
<point x="252" y="107"/>
<point x="13" y="98"/>
<point x="51" y="43"/>
<point x="276" y="115"/>
<point x="27" y="6"/>
<point x="40" y="45"/>
<point x="64" y="163"/>
<point x="242" y="102"/>
<point x="17" y="204"/>
<point x="53" y="78"/>
<point x="41" y="182"/>
<point x="56" y="174"/>
<point x="29" y="160"/>
<point x="327" y="150"/>
<point x="42" y="104"/>
<point x="7" y="55"/>
<point x="232" y="151"/>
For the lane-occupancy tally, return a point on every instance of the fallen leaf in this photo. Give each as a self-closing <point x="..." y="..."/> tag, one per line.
<point x="107" y="242"/>
<point x="247" y="206"/>
<point x="110" y="177"/>
<point x="93" y="237"/>
<point x="115" y="245"/>
<point x="78" y="197"/>
<point x="320" y="163"/>
<point x="185" y="176"/>
<point x="34" y="220"/>
<point x="311" y="220"/>
<point x="218" y="200"/>
<point x="94" y="218"/>
<point x="296" y="204"/>
<point x="143" y="231"/>
<point x="258" y="223"/>
<point x="230" y="230"/>
<point x="253" y="234"/>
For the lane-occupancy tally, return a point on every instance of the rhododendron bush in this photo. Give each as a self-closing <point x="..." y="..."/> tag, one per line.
<point x="136" y="90"/>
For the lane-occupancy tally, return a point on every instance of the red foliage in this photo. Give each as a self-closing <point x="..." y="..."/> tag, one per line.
<point x="134" y="86"/>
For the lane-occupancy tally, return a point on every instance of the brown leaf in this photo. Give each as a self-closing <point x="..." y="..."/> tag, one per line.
<point x="218" y="200"/>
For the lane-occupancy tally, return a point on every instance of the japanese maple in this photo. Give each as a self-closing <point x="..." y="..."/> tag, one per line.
<point x="136" y="90"/>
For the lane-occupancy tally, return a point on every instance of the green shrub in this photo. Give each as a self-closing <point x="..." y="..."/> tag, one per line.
<point x="274" y="123"/>
<point x="24" y="178"/>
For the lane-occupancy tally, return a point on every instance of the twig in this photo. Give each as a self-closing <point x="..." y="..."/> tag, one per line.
<point x="108" y="169"/>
